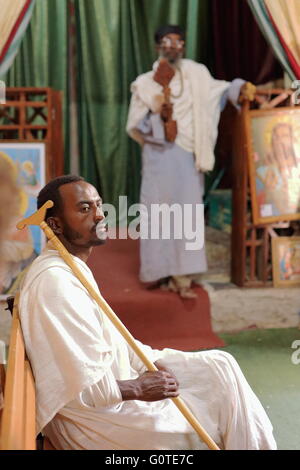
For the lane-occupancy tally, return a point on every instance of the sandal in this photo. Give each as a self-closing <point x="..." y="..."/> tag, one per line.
<point x="187" y="293"/>
<point x="184" y="292"/>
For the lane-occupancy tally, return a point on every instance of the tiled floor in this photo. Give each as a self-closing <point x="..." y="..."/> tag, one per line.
<point x="265" y="357"/>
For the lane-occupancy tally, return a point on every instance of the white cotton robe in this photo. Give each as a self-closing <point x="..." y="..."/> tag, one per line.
<point x="77" y="356"/>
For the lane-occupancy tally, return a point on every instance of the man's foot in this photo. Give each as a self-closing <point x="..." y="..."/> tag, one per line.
<point x="184" y="292"/>
<point x="187" y="293"/>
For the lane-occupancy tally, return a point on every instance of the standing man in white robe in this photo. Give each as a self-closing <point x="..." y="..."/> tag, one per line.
<point x="92" y="390"/>
<point x="173" y="172"/>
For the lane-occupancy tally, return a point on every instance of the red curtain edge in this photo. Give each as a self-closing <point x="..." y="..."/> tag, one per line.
<point x="293" y="63"/>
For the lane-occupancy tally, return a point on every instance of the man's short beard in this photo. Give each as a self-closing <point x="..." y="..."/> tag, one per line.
<point x="97" y="242"/>
<point x="72" y="236"/>
<point x="171" y="60"/>
<point x="69" y="234"/>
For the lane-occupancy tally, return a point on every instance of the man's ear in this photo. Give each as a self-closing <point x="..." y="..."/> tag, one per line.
<point x="55" y="224"/>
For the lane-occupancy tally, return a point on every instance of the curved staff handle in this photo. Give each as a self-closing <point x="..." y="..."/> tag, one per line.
<point x="38" y="219"/>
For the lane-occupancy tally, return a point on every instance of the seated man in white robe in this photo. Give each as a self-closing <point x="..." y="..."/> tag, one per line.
<point x="93" y="392"/>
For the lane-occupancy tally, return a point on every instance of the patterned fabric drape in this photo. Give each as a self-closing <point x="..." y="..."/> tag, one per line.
<point x="286" y="20"/>
<point x="14" y="19"/>
<point x="279" y="21"/>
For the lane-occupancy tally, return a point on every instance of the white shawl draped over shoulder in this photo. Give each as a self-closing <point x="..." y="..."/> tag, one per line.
<point x="207" y="93"/>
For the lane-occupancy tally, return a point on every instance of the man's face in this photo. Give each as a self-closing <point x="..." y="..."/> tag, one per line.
<point x="171" y="47"/>
<point x="82" y="216"/>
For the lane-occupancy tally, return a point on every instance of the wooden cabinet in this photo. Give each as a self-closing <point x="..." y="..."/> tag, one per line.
<point x="35" y="115"/>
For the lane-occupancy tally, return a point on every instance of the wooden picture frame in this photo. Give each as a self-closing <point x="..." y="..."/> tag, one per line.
<point x="34" y="114"/>
<point x="286" y="261"/>
<point x="273" y="148"/>
<point x="26" y="163"/>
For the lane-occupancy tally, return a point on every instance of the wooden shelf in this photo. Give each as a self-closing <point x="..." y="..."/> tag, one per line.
<point x="22" y="119"/>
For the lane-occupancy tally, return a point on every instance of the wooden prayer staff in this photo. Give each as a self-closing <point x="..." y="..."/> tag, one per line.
<point x="38" y="219"/>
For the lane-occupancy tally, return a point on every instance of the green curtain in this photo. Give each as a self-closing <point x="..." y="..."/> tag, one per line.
<point x="115" y="44"/>
<point x="42" y="58"/>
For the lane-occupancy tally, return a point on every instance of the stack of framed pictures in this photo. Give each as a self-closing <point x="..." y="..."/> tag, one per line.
<point x="286" y="261"/>
<point x="274" y="175"/>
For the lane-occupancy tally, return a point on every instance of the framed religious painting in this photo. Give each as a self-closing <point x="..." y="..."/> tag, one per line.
<point x="286" y="261"/>
<point x="273" y="137"/>
<point x="24" y="165"/>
